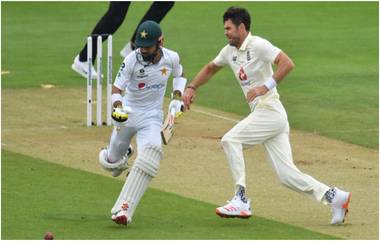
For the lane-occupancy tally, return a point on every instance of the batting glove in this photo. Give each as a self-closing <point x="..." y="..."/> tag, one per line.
<point x="120" y="114"/>
<point x="178" y="106"/>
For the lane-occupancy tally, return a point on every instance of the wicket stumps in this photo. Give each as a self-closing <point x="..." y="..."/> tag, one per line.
<point x="99" y="80"/>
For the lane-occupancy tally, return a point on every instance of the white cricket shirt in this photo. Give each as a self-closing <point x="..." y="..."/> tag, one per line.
<point x="251" y="64"/>
<point x="145" y="85"/>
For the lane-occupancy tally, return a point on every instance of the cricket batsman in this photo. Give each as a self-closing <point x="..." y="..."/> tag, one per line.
<point x="143" y="78"/>
<point x="251" y="59"/>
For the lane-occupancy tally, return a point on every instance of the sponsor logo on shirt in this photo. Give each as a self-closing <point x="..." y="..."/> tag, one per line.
<point x="142" y="86"/>
<point x="141" y="76"/>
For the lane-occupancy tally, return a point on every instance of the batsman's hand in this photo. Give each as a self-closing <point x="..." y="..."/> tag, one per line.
<point x="188" y="98"/>
<point x="120" y="114"/>
<point x="178" y="107"/>
<point x="255" y="92"/>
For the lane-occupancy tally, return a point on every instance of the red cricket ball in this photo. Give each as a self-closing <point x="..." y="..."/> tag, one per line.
<point x="49" y="236"/>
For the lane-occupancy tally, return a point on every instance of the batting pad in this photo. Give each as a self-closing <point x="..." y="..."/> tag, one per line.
<point x="149" y="160"/>
<point x="145" y="168"/>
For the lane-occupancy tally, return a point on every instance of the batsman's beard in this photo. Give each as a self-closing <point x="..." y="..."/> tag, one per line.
<point x="152" y="58"/>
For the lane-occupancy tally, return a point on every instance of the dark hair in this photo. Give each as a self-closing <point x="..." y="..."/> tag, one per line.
<point x="238" y="16"/>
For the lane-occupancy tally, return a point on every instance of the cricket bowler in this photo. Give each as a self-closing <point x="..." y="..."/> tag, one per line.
<point x="251" y="58"/>
<point x="143" y="78"/>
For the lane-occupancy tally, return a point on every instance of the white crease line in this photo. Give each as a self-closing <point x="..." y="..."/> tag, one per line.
<point x="40" y="128"/>
<point x="312" y="133"/>
<point x="5" y="72"/>
<point x="346" y="131"/>
<point x="215" y="115"/>
<point x="197" y="111"/>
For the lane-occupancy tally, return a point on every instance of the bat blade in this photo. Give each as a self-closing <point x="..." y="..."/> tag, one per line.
<point x="167" y="131"/>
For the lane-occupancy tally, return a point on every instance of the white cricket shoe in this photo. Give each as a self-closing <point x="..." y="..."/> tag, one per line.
<point x="235" y="209"/>
<point x="121" y="217"/>
<point x="339" y="206"/>
<point x="81" y="68"/>
<point x="126" y="50"/>
<point x="118" y="167"/>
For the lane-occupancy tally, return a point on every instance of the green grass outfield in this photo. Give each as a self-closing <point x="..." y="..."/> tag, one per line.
<point x="38" y="196"/>
<point x="332" y="91"/>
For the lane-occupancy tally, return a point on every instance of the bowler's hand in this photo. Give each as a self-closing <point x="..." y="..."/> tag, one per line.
<point x="188" y="97"/>
<point x="256" y="91"/>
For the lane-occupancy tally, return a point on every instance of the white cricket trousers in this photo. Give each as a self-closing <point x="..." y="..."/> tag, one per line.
<point x="147" y="128"/>
<point x="268" y="125"/>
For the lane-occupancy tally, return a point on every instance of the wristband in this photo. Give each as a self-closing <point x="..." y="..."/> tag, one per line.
<point x="179" y="83"/>
<point x="270" y="84"/>
<point x="116" y="97"/>
<point x="191" y="87"/>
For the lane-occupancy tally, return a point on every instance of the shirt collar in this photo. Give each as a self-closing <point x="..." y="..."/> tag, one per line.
<point x="245" y="42"/>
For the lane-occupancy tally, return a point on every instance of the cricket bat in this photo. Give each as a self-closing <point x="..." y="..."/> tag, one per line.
<point x="167" y="131"/>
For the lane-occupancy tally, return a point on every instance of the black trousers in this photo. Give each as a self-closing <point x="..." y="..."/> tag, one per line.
<point x="115" y="16"/>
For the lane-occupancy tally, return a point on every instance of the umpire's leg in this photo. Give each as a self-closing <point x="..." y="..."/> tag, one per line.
<point x="156" y="12"/>
<point x="108" y="24"/>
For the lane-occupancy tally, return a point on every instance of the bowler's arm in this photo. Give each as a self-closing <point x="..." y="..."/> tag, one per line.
<point x="201" y="78"/>
<point x="204" y="75"/>
<point x="284" y="66"/>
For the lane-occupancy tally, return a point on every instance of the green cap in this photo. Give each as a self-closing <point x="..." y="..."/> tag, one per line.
<point x="148" y="34"/>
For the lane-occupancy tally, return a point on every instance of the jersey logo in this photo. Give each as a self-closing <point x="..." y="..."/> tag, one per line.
<point x="141" y="73"/>
<point x="164" y="71"/>
<point x="234" y="58"/>
<point x="248" y="56"/>
<point x="242" y="74"/>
